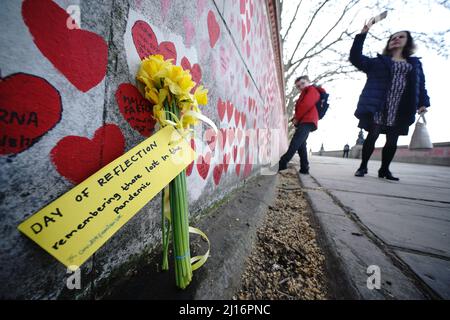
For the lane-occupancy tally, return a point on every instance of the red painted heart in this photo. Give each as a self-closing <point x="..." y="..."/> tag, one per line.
<point x="230" y="109"/>
<point x="221" y="108"/>
<point x="247" y="140"/>
<point x="76" y="158"/>
<point x="24" y="118"/>
<point x="243" y="120"/>
<point x="247" y="167"/>
<point x="222" y="138"/>
<point x="136" y="110"/>
<point x="242" y="6"/>
<point x="217" y="173"/>
<point x="238" y="169"/>
<point x="213" y="29"/>
<point x="237" y="117"/>
<point x="226" y="161"/>
<point x="203" y="164"/>
<point x="235" y="153"/>
<point x="248" y="22"/>
<point x="146" y="43"/>
<point x="191" y="165"/>
<point x="168" y="51"/>
<point x="210" y="138"/>
<point x="80" y="55"/>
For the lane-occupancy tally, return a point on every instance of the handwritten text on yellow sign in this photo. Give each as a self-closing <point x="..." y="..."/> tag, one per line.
<point x="78" y="223"/>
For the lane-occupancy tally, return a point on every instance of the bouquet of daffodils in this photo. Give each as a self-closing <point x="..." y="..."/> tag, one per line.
<point x="168" y="87"/>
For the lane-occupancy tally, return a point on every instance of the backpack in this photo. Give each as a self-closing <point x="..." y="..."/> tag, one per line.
<point x="322" y="105"/>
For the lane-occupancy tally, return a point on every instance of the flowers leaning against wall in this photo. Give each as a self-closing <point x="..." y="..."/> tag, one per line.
<point x="168" y="87"/>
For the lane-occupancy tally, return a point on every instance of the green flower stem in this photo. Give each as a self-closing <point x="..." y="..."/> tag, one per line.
<point x="183" y="203"/>
<point x="177" y="220"/>
<point x="165" y="226"/>
<point x="176" y="235"/>
<point x="181" y="211"/>
<point x="179" y="208"/>
<point x="176" y="210"/>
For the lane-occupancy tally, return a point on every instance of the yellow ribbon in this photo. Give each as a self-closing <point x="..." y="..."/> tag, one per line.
<point x="196" y="261"/>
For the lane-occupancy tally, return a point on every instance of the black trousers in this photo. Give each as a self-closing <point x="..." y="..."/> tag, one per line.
<point x="389" y="148"/>
<point x="298" y="144"/>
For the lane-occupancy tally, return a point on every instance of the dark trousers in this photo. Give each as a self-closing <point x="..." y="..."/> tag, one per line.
<point x="388" y="151"/>
<point x="298" y="144"/>
<point x="345" y="155"/>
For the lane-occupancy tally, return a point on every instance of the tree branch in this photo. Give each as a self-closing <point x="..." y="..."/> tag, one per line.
<point x="347" y="8"/>
<point x="315" y="54"/>
<point x="283" y="39"/>
<point x="306" y="31"/>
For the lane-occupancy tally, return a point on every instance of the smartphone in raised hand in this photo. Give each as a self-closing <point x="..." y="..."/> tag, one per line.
<point x="377" y="18"/>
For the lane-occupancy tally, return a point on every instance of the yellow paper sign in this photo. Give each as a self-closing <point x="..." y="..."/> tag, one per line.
<point x="79" y="222"/>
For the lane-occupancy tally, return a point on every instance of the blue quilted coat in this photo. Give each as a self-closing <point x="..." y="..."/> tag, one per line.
<point x="379" y="77"/>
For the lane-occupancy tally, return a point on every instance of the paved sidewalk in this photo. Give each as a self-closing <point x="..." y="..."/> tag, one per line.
<point x="402" y="227"/>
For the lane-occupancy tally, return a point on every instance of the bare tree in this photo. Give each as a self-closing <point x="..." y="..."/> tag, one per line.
<point x="322" y="36"/>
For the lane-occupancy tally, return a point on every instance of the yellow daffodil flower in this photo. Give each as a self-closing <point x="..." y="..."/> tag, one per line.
<point x="201" y="95"/>
<point x="167" y="83"/>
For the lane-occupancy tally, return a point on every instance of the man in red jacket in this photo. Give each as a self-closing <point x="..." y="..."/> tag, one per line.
<point x="305" y="120"/>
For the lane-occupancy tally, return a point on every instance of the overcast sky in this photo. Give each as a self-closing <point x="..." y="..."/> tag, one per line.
<point x="339" y="125"/>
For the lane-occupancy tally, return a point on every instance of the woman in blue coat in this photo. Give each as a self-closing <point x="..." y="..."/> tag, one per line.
<point x="394" y="91"/>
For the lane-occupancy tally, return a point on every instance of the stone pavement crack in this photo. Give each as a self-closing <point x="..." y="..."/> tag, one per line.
<point x="379" y="194"/>
<point x="415" y="251"/>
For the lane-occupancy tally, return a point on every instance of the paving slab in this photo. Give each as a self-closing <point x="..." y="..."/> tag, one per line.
<point x="356" y="252"/>
<point x="413" y="224"/>
<point x="407" y="220"/>
<point x="435" y="272"/>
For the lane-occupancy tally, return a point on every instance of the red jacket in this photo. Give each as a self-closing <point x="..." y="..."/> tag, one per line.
<point x="305" y="108"/>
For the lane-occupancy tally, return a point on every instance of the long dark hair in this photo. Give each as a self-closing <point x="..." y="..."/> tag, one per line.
<point x="409" y="48"/>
